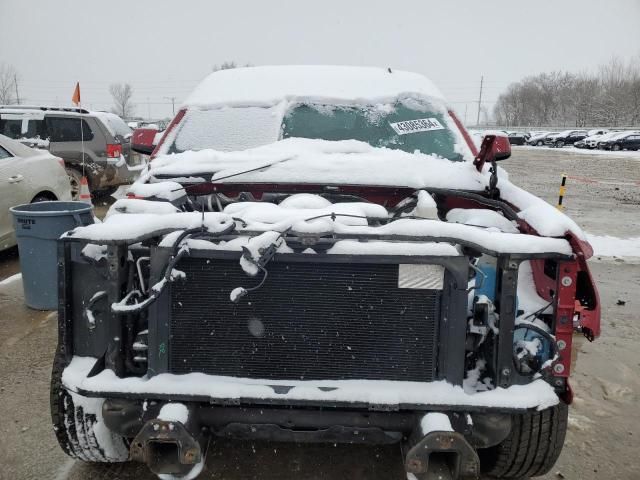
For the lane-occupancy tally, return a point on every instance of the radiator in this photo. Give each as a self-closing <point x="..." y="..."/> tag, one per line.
<point x="310" y="321"/>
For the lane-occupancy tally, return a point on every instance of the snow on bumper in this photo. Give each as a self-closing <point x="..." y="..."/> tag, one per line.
<point x="537" y="394"/>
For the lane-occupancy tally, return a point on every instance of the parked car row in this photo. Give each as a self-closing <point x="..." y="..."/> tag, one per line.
<point x="627" y="140"/>
<point x="96" y="144"/>
<point x="602" y="139"/>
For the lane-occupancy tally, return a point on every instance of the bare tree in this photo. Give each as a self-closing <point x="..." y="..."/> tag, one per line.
<point x="610" y="97"/>
<point x="122" y="93"/>
<point x="228" y="65"/>
<point x="8" y="85"/>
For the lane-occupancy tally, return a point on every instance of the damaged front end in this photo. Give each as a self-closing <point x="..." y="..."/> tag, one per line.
<point x="306" y="320"/>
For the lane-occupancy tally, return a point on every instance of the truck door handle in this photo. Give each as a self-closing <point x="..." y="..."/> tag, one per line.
<point x="16" y="178"/>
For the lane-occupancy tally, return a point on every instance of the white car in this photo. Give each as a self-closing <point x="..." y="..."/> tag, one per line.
<point x="597" y="131"/>
<point x="594" y="140"/>
<point x="27" y="175"/>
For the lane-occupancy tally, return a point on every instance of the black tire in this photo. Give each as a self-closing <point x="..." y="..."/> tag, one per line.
<point x="532" y="447"/>
<point x="616" y="147"/>
<point x="75" y="427"/>
<point x="104" y="193"/>
<point x="559" y="144"/>
<point x="42" y="197"/>
<point x="540" y="143"/>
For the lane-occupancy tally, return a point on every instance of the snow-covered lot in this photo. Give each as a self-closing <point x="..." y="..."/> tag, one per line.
<point x="634" y="154"/>
<point x="605" y="201"/>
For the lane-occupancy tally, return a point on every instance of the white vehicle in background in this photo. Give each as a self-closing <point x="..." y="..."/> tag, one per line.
<point x="597" y="131"/>
<point x="592" y="140"/>
<point x="27" y="175"/>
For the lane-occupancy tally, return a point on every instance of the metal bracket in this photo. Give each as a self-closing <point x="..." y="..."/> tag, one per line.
<point x="507" y="291"/>
<point x="455" y="457"/>
<point x="167" y="447"/>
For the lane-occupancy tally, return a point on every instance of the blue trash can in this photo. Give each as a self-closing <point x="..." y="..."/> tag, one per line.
<point x="38" y="227"/>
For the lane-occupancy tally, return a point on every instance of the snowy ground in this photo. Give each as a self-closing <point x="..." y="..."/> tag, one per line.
<point x="584" y="151"/>
<point x="604" y="423"/>
<point x="608" y="246"/>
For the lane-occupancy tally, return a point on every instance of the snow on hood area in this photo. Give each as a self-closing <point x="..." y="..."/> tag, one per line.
<point x="122" y="227"/>
<point x="301" y="160"/>
<point x="537" y="394"/>
<point x="326" y="162"/>
<point x="348" y="162"/>
<point x="154" y="218"/>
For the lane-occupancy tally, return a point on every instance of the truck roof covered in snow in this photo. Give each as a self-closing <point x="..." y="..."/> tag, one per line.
<point x="270" y="85"/>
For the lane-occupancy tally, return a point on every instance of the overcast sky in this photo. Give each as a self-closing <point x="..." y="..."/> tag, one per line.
<point x="163" y="48"/>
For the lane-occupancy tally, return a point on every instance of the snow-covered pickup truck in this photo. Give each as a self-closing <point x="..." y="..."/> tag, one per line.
<point x="321" y="254"/>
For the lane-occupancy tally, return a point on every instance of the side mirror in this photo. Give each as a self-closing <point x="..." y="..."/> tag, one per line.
<point x="143" y="140"/>
<point x="495" y="147"/>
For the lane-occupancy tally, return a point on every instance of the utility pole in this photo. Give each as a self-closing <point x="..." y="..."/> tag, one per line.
<point x="480" y="100"/>
<point x="15" y="82"/>
<point x="173" y="104"/>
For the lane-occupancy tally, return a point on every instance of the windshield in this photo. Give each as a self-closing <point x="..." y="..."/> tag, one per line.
<point x="409" y="126"/>
<point x="227" y="129"/>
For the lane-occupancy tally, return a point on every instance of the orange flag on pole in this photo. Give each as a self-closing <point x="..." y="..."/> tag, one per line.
<point x="76" y="95"/>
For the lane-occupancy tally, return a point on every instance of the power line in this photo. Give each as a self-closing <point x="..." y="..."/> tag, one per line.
<point x="15" y="82"/>
<point x="173" y="103"/>
<point x="480" y="99"/>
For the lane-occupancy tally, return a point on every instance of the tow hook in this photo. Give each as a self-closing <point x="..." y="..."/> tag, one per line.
<point x="168" y="447"/>
<point x="442" y="455"/>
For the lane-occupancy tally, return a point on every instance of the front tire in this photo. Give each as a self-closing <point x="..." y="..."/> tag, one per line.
<point x="559" y="144"/>
<point x="540" y="143"/>
<point x="616" y="148"/>
<point x="532" y="447"/>
<point x="77" y="423"/>
<point x="43" y="198"/>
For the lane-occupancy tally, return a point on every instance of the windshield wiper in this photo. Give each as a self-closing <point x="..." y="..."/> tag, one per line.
<point x="213" y="180"/>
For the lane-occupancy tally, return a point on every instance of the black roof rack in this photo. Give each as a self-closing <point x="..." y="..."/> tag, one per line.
<point x="45" y="108"/>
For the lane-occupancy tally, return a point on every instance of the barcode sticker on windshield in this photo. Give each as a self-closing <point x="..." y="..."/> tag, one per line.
<point x="418" y="125"/>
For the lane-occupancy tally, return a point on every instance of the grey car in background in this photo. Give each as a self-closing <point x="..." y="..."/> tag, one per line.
<point x="101" y="138"/>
